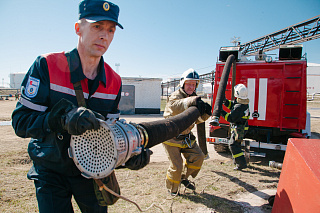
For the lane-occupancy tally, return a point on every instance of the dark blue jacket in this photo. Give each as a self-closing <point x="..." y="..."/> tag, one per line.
<point x="48" y="81"/>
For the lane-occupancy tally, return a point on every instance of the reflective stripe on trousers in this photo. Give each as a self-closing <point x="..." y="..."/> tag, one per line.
<point x="181" y="170"/>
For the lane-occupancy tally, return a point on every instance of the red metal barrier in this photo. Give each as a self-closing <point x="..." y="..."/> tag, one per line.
<point x="299" y="184"/>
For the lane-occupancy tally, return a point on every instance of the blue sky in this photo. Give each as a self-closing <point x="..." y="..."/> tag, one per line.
<point x="161" y="39"/>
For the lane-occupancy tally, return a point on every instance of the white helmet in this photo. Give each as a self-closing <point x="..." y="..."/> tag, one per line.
<point x="241" y="91"/>
<point x="189" y="74"/>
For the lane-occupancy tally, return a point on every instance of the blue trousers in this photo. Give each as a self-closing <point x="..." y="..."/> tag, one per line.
<point x="54" y="192"/>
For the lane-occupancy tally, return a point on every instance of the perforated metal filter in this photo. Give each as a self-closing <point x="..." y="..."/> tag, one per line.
<point x="97" y="153"/>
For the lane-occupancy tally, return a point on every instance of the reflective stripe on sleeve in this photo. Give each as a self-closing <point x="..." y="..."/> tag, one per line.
<point x="229" y="105"/>
<point x="31" y="105"/>
<point x="246" y="117"/>
<point x="226" y="116"/>
<point x="238" y="155"/>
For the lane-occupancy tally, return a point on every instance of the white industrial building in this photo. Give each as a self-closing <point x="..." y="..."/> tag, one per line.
<point x="140" y="95"/>
<point x="313" y="78"/>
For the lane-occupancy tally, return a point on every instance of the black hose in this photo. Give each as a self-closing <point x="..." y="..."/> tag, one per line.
<point x="165" y="129"/>
<point x="201" y="133"/>
<point x="222" y="87"/>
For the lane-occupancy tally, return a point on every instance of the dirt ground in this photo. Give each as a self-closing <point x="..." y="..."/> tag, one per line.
<point x="219" y="187"/>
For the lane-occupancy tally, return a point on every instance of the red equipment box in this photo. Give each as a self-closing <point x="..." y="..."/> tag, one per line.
<point x="299" y="183"/>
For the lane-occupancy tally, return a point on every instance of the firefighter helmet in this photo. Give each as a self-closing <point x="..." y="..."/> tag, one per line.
<point x="241" y="91"/>
<point x="189" y="74"/>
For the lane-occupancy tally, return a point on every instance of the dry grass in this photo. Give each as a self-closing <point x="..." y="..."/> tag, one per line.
<point x="218" y="185"/>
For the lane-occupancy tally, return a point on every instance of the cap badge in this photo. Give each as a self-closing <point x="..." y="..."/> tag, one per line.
<point x="106" y="6"/>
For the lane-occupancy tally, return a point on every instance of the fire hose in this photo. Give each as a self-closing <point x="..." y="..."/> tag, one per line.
<point x="221" y="91"/>
<point x="96" y="153"/>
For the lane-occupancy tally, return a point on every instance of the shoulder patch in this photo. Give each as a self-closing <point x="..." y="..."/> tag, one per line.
<point x="32" y="87"/>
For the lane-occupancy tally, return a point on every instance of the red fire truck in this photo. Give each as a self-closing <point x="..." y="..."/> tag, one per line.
<point x="277" y="94"/>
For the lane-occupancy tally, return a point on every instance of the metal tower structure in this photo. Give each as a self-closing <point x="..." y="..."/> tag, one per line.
<point x="301" y="32"/>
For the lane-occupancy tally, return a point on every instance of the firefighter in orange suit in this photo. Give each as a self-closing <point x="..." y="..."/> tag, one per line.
<point x="185" y="143"/>
<point x="238" y="118"/>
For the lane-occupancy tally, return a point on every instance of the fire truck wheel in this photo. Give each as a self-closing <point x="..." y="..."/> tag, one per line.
<point x="221" y="148"/>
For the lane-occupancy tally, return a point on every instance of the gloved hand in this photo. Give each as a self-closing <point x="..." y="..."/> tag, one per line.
<point x="78" y="120"/>
<point x="201" y="106"/>
<point x="208" y="109"/>
<point x="224" y="101"/>
<point x="139" y="161"/>
<point x="57" y="111"/>
<point x="98" y="115"/>
<point x="64" y="116"/>
<point x="223" y="113"/>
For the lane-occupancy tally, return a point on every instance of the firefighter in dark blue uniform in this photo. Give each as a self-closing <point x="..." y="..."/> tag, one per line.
<point x="48" y="111"/>
<point x="238" y="118"/>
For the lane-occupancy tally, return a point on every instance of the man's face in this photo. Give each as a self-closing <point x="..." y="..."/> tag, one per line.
<point x="95" y="38"/>
<point x="190" y="86"/>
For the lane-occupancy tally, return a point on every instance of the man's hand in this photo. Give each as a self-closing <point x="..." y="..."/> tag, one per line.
<point x="58" y="110"/>
<point x="139" y="161"/>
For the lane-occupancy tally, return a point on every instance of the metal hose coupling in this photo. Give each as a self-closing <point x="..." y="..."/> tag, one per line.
<point x="96" y="153"/>
<point x="214" y="121"/>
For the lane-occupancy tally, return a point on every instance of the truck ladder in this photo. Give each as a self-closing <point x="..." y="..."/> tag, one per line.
<point x="301" y="32"/>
